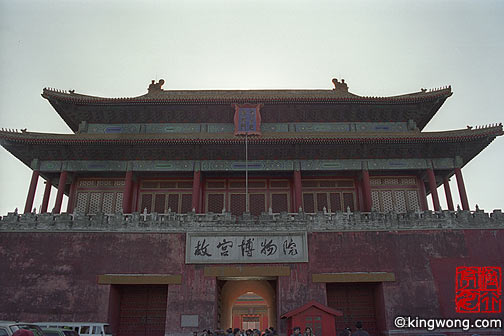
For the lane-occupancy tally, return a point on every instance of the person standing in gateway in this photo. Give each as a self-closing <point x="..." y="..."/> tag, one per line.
<point x="359" y="331"/>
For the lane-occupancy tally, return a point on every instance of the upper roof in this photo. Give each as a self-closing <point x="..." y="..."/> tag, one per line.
<point x="343" y="105"/>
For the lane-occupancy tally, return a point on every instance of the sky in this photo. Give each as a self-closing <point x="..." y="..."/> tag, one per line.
<point x="380" y="48"/>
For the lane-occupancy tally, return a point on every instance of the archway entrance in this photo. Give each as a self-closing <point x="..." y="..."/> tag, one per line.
<point x="250" y="311"/>
<point x="245" y="303"/>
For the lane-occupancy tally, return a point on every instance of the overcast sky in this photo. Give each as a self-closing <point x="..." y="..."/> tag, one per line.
<point x="381" y="48"/>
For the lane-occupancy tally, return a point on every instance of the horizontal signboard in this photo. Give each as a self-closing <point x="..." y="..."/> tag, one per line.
<point x="250" y="247"/>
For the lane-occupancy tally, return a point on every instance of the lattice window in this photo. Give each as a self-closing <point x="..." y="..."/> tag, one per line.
<point x="81" y="204"/>
<point x="237" y="204"/>
<point x="327" y="184"/>
<point x="345" y="184"/>
<point x="387" y="202"/>
<point x="146" y="202"/>
<point x="215" y="203"/>
<point x="94" y="202"/>
<point x="98" y="195"/>
<point x="216" y="184"/>
<point x="173" y="202"/>
<point x="332" y="201"/>
<point x="168" y="184"/>
<point x="392" y="181"/>
<point x="108" y="202"/>
<point x="279" y="184"/>
<point x="119" y="201"/>
<point x="280" y="202"/>
<point x="185" y="184"/>
<point x="375" y="181"/>
<point x="257" y="203"/>
<point x="322" y="201"/>
<point x="375" y="197"/>
<point x="400" y="201"/>
<point x="265" y="188"/>
<point x="149" y="184"/>
<point x="399" y="194"/>
<point x="408" y="181"/>
<point x="348" y="201"/>
<point x="186" y="205"/>
<point x="333" y="195"/>
<point x="237" y="184"/>
<point x="412" y="198"/>
<point x="107" y="183"/>
<point x="308" y="202"/>
<point x="335" y="201"/>
<point x="257" y="184"/>
<point x="87" y="183"/>
<point x="309" y="184"/>
<point x="159" y="203"/>
<point x="396" y="200"/>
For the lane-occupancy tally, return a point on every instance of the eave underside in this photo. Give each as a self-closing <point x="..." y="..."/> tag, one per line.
<point x="466" y="150"/>
<point x="376" y="111"/>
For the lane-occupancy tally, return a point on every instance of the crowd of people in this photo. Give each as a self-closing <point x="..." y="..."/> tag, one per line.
<point x="359" y="331"/>
<point x="237" y="332"/>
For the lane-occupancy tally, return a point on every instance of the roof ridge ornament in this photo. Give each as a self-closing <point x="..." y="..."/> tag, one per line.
<point x="156" y="87"/>
<point x="340" y="86"/>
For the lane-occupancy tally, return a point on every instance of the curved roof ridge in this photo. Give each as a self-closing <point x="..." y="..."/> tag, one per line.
<point x="225" y="96"/>
<point x="491" y="130"/>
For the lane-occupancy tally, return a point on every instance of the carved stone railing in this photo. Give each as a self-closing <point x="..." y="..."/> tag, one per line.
<point x="300" y="221"/>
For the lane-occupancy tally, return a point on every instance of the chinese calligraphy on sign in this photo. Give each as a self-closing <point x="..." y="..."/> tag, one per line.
<point x="247" y="119"/>
<point x="246" y="248"/>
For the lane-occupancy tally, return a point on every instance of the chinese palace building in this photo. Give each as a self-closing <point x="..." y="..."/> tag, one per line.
<point x="157" y="240"/>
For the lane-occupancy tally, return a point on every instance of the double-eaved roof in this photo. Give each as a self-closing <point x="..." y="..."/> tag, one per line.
<point x="197" y="125"/>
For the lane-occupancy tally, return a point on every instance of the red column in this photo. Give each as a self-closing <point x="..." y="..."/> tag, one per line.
<point x="462" y="190"/>
<point x="433" y="189"/>
<point x="196" y="190"/>
<point x="61" y="190"/>
<point x="423" y="195"/>
<point x="45" y="199"/>
<point x="449" y="200"/>
<point x="31" y="192"/>
<point x="71" y="196"/>
<point x="128" y="187"/>
<point x="298" y="200"/>
<point x="366" y="191"/>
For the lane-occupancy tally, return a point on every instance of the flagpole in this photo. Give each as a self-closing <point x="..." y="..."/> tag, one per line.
<point x="246" y="173"/>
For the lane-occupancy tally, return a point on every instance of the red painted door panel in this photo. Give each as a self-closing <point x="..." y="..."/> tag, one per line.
<point x="357" y="303"/>
<point x="142" y="310"/>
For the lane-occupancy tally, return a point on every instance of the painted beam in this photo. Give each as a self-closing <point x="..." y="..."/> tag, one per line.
<point x="303" y="127"/>
<point x="256" y="165"/>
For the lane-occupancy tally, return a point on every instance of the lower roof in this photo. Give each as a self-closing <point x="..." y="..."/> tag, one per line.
<point x="466" y="143"/>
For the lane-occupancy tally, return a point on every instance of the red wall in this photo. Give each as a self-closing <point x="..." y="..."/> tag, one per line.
<point x="52" y="276"/>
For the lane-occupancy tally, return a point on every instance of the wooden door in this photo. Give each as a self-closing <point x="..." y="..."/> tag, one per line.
<point x="142" y="310"/>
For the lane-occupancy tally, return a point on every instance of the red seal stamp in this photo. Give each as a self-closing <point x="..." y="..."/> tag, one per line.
<point x="478" y="290"/>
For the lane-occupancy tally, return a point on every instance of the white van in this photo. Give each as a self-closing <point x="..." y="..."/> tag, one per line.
<point x="82" y="328"/>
